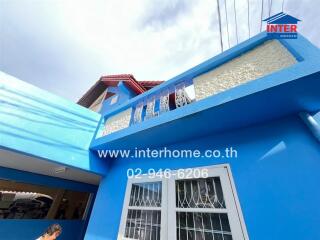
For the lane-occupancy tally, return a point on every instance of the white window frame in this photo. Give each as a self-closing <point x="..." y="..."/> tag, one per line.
<point x="168" y="206"/>
<point x="144" y="179"/>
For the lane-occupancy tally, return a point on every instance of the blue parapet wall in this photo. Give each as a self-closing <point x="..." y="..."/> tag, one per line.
<point x="38" y="123"/>
<point x="299" y="81"/>
<point x="304" y="51"/>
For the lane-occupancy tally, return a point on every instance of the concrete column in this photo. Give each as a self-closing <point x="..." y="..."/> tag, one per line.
<point x="55" y="204"/>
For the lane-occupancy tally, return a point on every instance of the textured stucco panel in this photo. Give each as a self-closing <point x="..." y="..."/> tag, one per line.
<point x="267" y="58"/>
<point x="118" y="122"/>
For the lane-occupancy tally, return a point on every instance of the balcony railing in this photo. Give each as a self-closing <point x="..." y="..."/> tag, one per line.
<point x="254" y="59"/>
<point x="166" y="99"/>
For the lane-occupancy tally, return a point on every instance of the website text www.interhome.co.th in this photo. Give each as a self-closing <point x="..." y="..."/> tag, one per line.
<point x="227" y="152"/>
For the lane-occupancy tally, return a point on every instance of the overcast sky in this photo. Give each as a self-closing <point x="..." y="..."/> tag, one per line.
<point x="64" y="46"/>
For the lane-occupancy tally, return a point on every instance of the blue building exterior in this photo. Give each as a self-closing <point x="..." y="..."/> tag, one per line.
<point x="271" y="118"/>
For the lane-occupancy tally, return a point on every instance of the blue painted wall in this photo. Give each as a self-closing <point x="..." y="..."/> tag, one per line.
<point x="276" y="176"/>
<point x="122" y="92"/>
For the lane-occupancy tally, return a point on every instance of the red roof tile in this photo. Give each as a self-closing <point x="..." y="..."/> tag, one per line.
<point x="112" y="80"/>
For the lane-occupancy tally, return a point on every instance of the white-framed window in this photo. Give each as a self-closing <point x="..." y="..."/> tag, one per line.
<point x="182" y="207"/>
<point x="144" y="209"/>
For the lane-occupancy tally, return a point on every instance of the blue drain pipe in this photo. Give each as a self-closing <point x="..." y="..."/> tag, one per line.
<point x="312" y="123"/>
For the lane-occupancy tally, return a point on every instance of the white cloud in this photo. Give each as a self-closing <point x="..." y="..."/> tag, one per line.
<point x="66" y="45"/>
